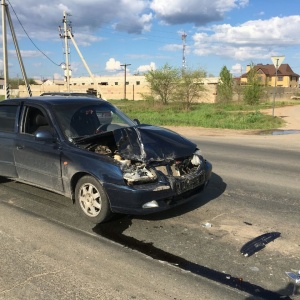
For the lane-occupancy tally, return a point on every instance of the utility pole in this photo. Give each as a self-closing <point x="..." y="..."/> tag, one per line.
<point x="125" y="66"/>
<point x="18" y="52"/>
<point x="5" y="13"/>
<point x="65" y="36"/>
<point x="4" y="44"/>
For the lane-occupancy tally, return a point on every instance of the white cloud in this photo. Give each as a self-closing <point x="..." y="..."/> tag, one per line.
<point x="257" y="39"/>
<point x="261" y="32"/>
<point x="86" y="39"/>
<point x="30" y="53"/>
<point x="145" y="68"/>
<point x="199" y="12"/>
<point x="176" y="48"/>
<point x="112" y="65"/>
<point x="237" y="70"/>
<point x="26" y="53"/>
<point x="134" y="24"/>
<point x="88" y="16"/>
<point x="124" y="15"/>
<point x="94" y="20"/>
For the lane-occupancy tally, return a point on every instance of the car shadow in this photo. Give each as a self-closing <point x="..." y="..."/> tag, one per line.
<point x="115" y="229"/>
<point x="285" y="293"/>
<point x="4" y="180"/>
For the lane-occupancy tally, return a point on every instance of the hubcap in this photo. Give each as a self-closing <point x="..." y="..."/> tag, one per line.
<point x="90" y="200"/>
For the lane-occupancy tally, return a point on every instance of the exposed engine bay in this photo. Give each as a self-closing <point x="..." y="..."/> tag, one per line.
<point x="140" y="168"/>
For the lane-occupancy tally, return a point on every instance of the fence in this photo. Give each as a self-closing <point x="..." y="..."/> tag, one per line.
<point x="134" y="92"/>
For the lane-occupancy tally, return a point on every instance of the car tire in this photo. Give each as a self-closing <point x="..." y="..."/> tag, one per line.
<point x="91" y="200"/>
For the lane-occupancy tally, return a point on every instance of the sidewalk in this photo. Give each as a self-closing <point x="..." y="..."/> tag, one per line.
<point x="290" y="114"/>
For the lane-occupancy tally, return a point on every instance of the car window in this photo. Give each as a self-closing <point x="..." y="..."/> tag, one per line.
<point x="34" y="120"/>
<point x="8" y="117"/>
<point x="78" y="120"/>
<point x="84" y="122"/>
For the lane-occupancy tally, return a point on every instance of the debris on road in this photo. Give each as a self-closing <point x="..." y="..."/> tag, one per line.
<point x="207" y="225"/>
<point x="247" y="223"/>
<point x="296" y="278"/>
<point x="258" y="243"/>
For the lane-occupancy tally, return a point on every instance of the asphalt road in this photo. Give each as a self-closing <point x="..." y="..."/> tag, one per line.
<point x="48" y="252"/>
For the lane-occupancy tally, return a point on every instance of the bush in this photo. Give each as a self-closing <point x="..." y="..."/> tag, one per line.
<point x="254" y="90"/>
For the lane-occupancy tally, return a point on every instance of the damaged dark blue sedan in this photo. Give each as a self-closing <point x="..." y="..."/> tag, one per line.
<point x="88" y="150"/>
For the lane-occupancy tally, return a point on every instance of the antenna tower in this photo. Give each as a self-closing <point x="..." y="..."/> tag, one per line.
<point x="183" y="37"/>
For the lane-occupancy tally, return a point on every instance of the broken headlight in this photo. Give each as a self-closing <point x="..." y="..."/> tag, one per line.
<point x="135" y="173"/>
<point x="139" y="174"/>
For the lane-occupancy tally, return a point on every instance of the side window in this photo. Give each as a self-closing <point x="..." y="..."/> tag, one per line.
<point x="34" y="119"/>
<point x="8" y="117"/>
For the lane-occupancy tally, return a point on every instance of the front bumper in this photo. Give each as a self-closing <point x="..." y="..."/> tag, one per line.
<point x="159" y="196"/>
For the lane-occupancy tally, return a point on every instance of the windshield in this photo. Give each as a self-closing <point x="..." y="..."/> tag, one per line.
<point x="84" y="119"/>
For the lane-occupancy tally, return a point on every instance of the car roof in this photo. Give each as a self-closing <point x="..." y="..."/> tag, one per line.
<point x="67" y="94"/>
<point x="54" y="100"/>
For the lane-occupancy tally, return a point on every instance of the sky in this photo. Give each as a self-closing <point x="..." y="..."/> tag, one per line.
<point x="147" y="34"/>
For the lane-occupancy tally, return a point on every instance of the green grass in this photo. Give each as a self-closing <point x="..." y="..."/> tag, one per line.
<point x="231" y="116"/>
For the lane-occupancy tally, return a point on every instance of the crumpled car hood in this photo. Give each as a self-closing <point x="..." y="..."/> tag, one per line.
<point x="147" y="143"/>
<point x="151" y="143"/>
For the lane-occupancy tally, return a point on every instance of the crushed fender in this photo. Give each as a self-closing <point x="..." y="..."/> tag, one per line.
<point x="258" y="243"/>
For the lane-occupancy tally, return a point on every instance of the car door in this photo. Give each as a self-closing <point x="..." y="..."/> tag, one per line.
<point x="38" y="162"/>
<point x="8" y="116"/>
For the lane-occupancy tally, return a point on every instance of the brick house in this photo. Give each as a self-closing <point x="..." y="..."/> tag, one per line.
<point x="286" y="77"/>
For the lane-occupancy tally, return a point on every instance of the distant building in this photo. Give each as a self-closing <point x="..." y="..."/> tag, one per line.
<point x="111" y="87"/>
<point x="286" y="77"/>
<point x="53" y="82"/>
<point x="211" y="80"/>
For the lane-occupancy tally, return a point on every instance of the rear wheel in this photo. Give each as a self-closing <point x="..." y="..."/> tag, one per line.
<point x="91" y="200"/>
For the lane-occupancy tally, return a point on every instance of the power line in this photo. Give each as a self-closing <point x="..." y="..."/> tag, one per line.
<point x="30" y="37"/>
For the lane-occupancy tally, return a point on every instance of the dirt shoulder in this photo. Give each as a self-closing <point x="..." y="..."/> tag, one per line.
<point x="290" y="114"/>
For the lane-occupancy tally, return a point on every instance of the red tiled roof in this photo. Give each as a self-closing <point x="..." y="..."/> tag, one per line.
<point x="270" y="70"/>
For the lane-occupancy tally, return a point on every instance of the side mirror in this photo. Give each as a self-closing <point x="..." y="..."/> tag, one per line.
<point x="137" y="121"/>
<point x="44" y="136"/>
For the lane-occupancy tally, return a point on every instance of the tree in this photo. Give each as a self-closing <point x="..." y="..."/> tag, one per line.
<point x="190" y="86"/>
<point x="225" y="85"/>
<point x="15" y="82"/>
<point x="254" y="90"/>
<point x="163" y="82"/>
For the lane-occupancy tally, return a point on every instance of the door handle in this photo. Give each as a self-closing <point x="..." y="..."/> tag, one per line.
<point x="20" y="147"/>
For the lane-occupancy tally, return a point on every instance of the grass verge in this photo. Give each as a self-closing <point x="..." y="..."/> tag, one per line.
<point x="231" y="116"/>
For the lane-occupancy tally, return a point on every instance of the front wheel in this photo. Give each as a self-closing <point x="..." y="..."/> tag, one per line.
<point x="91" y="200"/>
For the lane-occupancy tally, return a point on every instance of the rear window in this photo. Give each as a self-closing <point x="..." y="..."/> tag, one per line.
<point x="8" y="117"/>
